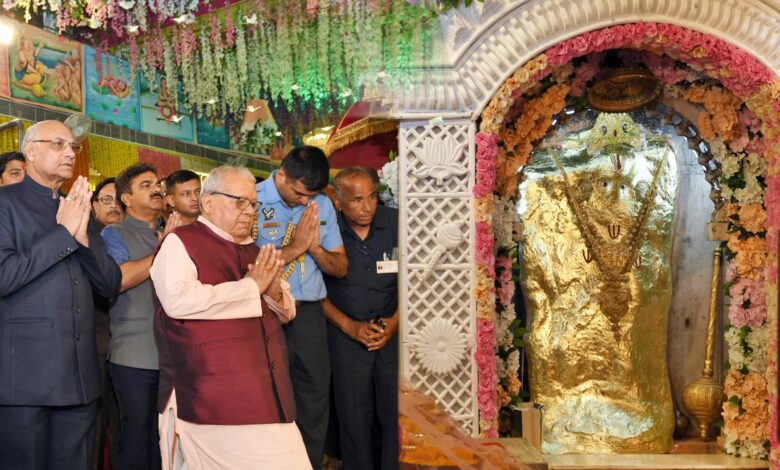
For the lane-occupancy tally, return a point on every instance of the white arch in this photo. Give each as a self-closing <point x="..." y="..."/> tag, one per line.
<point x="488" y="43"/>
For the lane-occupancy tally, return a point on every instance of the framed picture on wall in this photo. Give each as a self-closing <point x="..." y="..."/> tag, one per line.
<point x="212" y="130"/>
<point x="5" y="86"/>
<point x="46" y="69"/>
<point x="112" y="94"/>
<point x="159" y="114"/>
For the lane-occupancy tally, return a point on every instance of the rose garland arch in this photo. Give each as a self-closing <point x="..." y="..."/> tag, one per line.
<point x="505" y="34"/>
<point x="756" y="127"/>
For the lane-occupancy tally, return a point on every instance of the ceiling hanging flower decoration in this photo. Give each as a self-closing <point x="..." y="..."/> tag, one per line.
<point x="318" y="56"/>
<point x="440" y="346"/>
<point x="100" y="14"/>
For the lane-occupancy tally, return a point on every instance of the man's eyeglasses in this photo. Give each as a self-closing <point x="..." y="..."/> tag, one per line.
<point x="59" y="144"/>
<point x="241" y="202"/>
<point x="107" y="200"/>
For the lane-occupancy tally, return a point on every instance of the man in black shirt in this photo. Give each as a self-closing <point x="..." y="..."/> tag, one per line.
<point x="362" y="311"/>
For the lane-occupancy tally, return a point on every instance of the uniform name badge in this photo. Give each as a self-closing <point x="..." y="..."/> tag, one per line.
<point x="387" y="267"/>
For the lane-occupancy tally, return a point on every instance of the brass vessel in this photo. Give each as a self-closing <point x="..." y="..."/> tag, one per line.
<point x="703" y="398"/>
<point x="624" y="89"/>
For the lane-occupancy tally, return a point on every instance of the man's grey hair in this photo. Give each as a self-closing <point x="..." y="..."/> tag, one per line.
<point x="215" y="180"/>
<point x="350" y="172"/>
<point x="31" y="134"/>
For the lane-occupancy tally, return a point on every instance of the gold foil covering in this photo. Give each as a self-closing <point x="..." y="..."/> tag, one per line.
<point x="605" y="387"/>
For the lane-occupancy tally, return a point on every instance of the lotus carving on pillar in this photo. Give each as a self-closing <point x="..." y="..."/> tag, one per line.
<point x="439" y="158"/>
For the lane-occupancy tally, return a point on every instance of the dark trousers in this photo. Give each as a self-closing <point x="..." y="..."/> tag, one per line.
<point x="366" y="398"/>
<point x="136" y="398"/>
<point x="43" y="438"/>
<point x="107" y="431"/>
<point x="307" y="344"/>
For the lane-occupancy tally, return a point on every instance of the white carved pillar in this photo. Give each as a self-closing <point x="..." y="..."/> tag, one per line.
<point x="438" y="325"/>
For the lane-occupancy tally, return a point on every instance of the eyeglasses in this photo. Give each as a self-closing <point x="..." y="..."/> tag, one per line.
<point x="107" y="200"/>
<point x="59" y="144"/>
<point x="241" y="202"/>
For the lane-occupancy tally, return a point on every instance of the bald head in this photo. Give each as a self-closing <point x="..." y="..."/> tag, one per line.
<point x="47" y="149"/>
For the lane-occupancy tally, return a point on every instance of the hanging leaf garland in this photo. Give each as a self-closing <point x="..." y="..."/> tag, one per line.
<point x="169" y="66"/>
<point x="241" y="56"/>
<point x="337" y="59"/>
<point x="215" y="49"/>
<point x="232" y="90"/>
<point x="282" y="60"/>
<point x="255" y="70"/>
<point x="353" y="50"/>
<point x="208" y="80"/>
<point x="321" y="60"/>
<point x="323" y="42"/>
<point x="186" y="66"/>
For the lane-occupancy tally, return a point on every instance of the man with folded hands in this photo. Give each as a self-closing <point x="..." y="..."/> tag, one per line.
<point x="225" y="396"/>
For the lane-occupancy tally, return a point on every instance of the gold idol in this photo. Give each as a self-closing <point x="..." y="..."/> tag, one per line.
<point x="598" y="227"/>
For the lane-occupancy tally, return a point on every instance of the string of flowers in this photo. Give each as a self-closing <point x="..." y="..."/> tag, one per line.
<point x="388" y="181"/>
<point x="485" y="354"/>
<point x="741" y="123"/>
<point x="745" y="413"/>
<point x="99" y="14"/>
<point x="294" y="60"/>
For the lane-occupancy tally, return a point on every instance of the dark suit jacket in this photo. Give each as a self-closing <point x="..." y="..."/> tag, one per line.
<point x="47" y="332"/>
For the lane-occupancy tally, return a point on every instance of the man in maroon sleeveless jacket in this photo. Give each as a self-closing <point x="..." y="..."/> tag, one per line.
<point x="225" y="396"/>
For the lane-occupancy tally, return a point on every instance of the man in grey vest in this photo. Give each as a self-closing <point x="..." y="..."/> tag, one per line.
<point x="132" y="354"/>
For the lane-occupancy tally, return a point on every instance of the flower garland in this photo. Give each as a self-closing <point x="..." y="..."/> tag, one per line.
<point x="100" y="14"/>
<point x="742" y="126"/>
<point x="517" y="138"/>
<point x="312" y="54"/>
<point x="745" y="413"/>
<point x="259" y="140"/>
<point x="388" y="181"/>
<point x="293" y="61"/>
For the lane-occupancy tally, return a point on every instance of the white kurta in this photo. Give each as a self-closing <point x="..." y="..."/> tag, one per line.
<point x="193" y="446"/>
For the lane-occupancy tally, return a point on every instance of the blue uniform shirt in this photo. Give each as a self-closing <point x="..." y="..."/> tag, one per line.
<point x="272" y="220"/>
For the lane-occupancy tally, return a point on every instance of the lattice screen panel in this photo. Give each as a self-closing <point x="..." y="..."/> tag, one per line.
<point x="436" y="179"/>
<point x="416" y="140"/>
<point x="428" y="214"/>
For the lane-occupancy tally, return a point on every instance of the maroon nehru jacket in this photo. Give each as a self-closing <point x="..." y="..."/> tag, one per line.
<point x="225" y="372"/>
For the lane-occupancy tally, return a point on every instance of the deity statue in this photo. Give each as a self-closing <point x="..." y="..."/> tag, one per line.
<point x="596" y="275"/>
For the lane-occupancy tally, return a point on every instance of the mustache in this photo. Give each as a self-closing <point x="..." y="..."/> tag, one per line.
<point x="114" y="211"/>
<point x="156" y="195"/>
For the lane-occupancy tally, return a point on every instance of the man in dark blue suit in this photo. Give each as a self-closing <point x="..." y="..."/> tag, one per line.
<point x="51" y="258"/>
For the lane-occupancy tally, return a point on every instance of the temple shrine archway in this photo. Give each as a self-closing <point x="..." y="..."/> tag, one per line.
<point x="443" y="198"/>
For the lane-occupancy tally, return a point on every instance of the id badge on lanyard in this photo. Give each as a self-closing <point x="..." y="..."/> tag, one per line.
<point x="389" y="264"/>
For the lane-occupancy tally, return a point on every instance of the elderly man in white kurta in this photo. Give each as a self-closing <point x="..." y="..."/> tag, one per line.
<point x="225" y="396"/>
